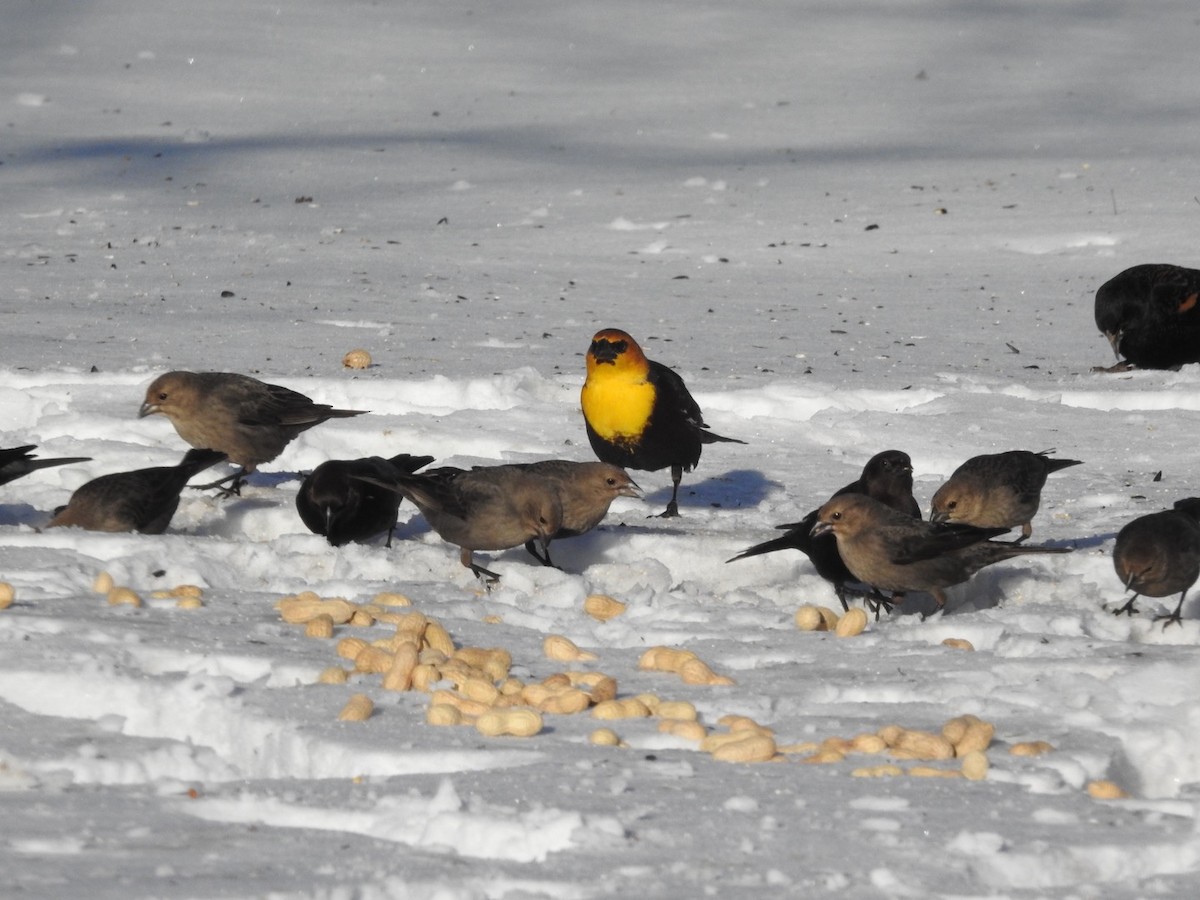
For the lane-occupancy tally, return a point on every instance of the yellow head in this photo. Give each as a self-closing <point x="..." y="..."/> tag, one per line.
<point x="615" y="348"/>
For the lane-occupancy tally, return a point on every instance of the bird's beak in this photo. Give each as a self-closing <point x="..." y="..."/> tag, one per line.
<point x="1114" y="341"/>
<point x="939" y="517"/>
<point x="633" y="489"/>
<point x="821" y="528"/>
<point x="148" y="409"/>
<point x="605" y="351"/>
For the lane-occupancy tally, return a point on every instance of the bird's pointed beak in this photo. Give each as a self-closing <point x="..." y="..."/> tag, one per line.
<point x="605" y="351"/>
<point x="1114" y="341"/>
<point x="939" y="517"/>
<point x="821" y="528"/>
<point x="328" y="519"/>
<point x="633" y="489"/>
<point x="148" y="409"/>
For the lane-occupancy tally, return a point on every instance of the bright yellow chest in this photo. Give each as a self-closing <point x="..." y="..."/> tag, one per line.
<point x="617" y="407"/>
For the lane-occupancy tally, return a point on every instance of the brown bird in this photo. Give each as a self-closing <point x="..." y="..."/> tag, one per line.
<point x="1159" y="554"/>
<point x="16" y="462"/>
<point x="246" y="419"/>
<point x="888" y="478"/>
<point x="333" y="500"/>
<point x="585" y="491"/>
<point x="485" y="508"/>
<point x="143" y="500"/>
<point x="997" y="490"/>
<point x="1151" y="316"/>
<point x="895" y="552"/>
<point x="639" y="414"/>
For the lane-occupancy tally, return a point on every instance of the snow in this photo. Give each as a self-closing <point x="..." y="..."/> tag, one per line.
<point x="849" y="226"/>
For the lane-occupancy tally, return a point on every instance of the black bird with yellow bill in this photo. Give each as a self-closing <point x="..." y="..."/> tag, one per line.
<point x="639" y="414"/>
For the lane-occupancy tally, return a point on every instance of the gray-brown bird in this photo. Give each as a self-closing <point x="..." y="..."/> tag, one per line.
<point x="485" y="508"/>
<point x="248" y="420"/>
<point x="585" y="490"/>
<point x="1159" y="554"/>
<point x="16" y="462"/>
<point x="887" y="477"/>
<point x="997" y="490"/>
<point x="143" y="500"/>
<point x="333" y="500"/>
<point x="895" y="552"/>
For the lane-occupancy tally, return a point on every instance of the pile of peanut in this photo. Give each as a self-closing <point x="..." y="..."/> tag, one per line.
<point x="474" y="686"/>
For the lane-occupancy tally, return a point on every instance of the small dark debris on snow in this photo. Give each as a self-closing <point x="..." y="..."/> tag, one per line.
<point x="227" y="294"/>
<point x="304" y="200"/>
<point x="871" y="227"/>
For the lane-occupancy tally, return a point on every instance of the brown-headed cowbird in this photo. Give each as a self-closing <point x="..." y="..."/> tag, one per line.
<point x="895" y="552"/>
<point x="1151" y="316"/>
<point x="997" y="490"/>
<point x="639" y="414"/>
<point x="485" y="508"/>
<point x="1159" y="554"/>
<point x="585" y="490"/>
<point x="143" y="500"/>
<point x="333" y="500"/>
<point x="16" y="462"/>
<point x="888" y="478"/>
<point x="248" y="420"/>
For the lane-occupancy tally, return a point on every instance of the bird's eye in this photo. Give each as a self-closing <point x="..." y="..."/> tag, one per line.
<point x="611" y="482"/>
<point x="952" y="504"/>
<point x="836" y="516"/>
<point x="162" y="395"/>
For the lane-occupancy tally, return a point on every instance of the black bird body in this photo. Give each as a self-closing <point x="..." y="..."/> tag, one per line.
<point x="336" y="502"/>
<point x="1151" y="315"/>
<point x="1159" y="554"/>
<point x="887" y="477"/>
<point x="143" y="500"/>
<point x="16" y="462"/>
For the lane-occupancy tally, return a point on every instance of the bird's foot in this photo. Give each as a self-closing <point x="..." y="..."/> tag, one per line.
<point x="1122" y="366"/>
<point x="487" y="577"/>
<point x="1129" y="609"/>
<point x="1173" y="618"/>
<point x="671" y="512"/>
<point x="233" y="489"/>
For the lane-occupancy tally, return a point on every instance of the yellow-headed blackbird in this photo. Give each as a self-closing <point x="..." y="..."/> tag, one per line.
<point x="246" y="419"/>
<point x="1159" y="554"/>
<point x="143" y="500"/>
<point x="16" y="462"/>
<point x="1151" y="316"/>
<point x="896" y="552"/>
<point x="485" y="508"/>
<point x="888" y="478"/>
<point x="333" y="500"/>
<point x="997" y="490"/>
<point x="639" y="414"/>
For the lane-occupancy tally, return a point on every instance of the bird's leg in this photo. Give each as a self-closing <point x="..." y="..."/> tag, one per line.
<point x="840" y="589"/>
<point x="1129" y="609"/>
<point x="487" y="577"/>
<point x="1026" y="533"/>
<point x="1175" y="618"/>
<point x="875" y="601"/>
<point x="238" y="478"/>
<point x="391" y="531"/>
<point x="672" y="510"/>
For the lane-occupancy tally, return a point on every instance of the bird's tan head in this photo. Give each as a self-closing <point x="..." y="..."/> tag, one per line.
<point x="845" y="516"/>
<point x="956" y="502"/>
<point x="610" y="481"/>
<point x="614" y="347"/>
<point x="167" y="394"/>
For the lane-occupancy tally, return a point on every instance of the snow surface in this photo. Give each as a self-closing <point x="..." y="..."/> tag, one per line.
<point x="851" y="226"/>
